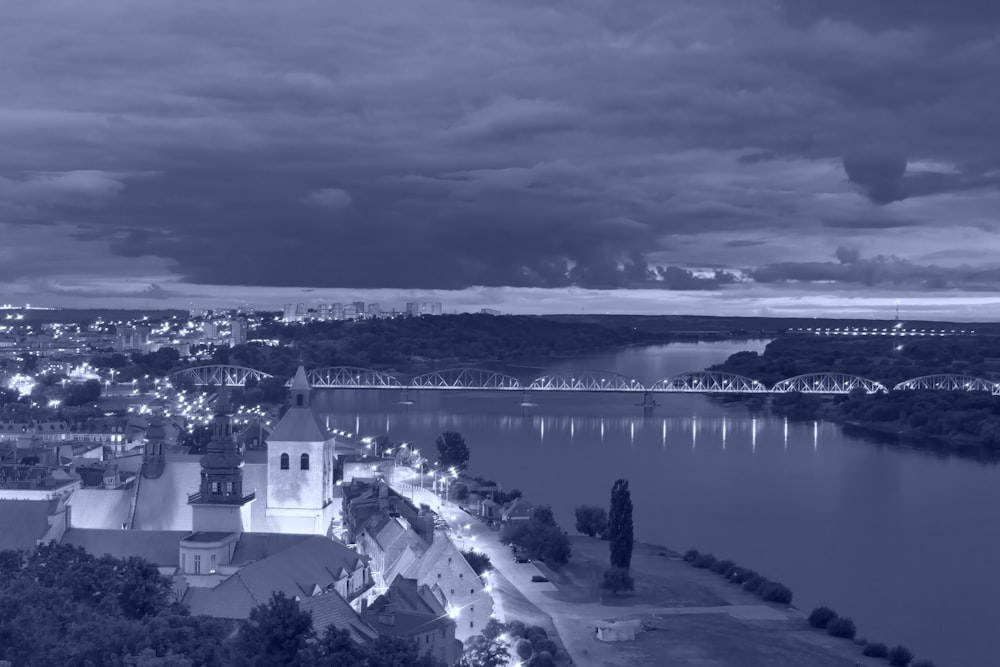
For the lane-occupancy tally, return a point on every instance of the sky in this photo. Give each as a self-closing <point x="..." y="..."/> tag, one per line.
<point x="786" y="157"/>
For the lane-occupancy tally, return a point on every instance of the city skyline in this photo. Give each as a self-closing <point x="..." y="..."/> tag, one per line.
<point x="790" y="158"/>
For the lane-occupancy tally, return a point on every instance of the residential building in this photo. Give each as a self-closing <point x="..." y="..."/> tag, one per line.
<point x="238" y="334"/>
<point x="410" y="610"/>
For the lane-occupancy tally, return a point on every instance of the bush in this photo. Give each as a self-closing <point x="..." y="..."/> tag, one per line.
<point x="722" y="566"/>
<point x="754" y="583"/>
<point x="739" y="575"/>
<point x="821" y="617"/>
<point x="841" y="627"/>
<point x="591" y="521"/>
<point x="617" y="579"/>
<point x="690" y="555"/>
<point x="900" y="656"/>
<point x="704" y="561"/>
<point x="772" y="591"/>
<point x="523" y="649"/>
<point x="876" y="650"/>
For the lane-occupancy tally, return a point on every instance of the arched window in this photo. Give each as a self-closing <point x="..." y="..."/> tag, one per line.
<point x="304" y="462"/>
<point x="284" y="461"/>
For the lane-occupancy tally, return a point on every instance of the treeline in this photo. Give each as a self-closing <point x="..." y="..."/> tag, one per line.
<point x="411" y="343"/>
<point x="962" y="422"/>
<point x="886" y="359"/>
<point x="62" y="607"/>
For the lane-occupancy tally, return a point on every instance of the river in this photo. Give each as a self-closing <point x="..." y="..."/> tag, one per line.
<point x="900" y="540"/>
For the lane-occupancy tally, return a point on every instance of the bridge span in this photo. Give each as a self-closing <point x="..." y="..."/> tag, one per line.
<point x="477" y="379"/>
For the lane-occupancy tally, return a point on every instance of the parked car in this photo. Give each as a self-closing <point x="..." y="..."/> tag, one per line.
<point x="539" y="579"/>
<point x="521" y="558"/>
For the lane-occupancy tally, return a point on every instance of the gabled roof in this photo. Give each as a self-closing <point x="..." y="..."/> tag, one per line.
<point x="312" y="563"/>
<point x="331" y="609"/>
<point x="406" y="609"/>
<point x="258" y="546"/>
<point x="24" y="522"/>
<point x="300" y="424"/>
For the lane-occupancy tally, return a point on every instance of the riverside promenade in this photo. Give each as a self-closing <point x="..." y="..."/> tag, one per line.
<point x="692" y="617"/>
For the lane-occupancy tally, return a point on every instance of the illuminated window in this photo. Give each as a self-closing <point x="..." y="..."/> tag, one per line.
<point x="304" y="462"/>
<point x="284" y="461"/>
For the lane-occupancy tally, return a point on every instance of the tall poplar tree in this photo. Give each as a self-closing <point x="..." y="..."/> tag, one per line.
<point x="620" y="525"/>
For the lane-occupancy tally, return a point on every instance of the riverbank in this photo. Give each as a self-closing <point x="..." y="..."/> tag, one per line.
<point x="688" y="616"/>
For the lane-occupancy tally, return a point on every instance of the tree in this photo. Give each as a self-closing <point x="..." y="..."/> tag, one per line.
<point x="452" y="450"/>
<point x="620" y="525"/>
<point x="395" y="652"/>
<point x="617" y="579"/>
<point x="591" y="520"/>
<point x="487" y="649"/>
<point x="541" y="537"/>
<point x="276" y="633"/>
<point x="337" y="649"/>
<point x="82" y="394"/>
<point x="479" y="561"/>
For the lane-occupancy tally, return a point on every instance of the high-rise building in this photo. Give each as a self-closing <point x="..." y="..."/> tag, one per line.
<point x="412" y="308"/>
<point x="359" y="307"/>
<point x="338" y="311"/>
<point x="350" y="311"/>
<point x="436" y="308"/>
<point x="289" y="313"/>
<point x="325" y="312"/>
<point x="210" y="329"/>
<point x="374" y="310"/>
<point x="239" y="333"/>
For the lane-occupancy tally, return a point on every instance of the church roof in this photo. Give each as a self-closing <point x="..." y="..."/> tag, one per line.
<point x="300" y="382"/>
<point x="300" y="424"/>
<point x="24" y="522"/>
<point x="100" y="508"/>
<point x="160" y="547"/>
<point x="298" y="570"/>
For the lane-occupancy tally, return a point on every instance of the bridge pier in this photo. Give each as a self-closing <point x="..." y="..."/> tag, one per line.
<point x="526" y="400"/>
<point x="648" y="403"/>
<point x="404" y="397"/>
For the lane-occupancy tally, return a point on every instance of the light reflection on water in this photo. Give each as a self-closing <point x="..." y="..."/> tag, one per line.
<point x="900" y="540"/>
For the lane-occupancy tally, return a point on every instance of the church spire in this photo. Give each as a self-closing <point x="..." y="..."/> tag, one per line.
<point x="300" y="389"/>
<point x="222" y="464"/>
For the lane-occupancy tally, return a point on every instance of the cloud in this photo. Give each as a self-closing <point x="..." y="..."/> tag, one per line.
<point x="332" y="198"/>
<point x="516" y="145"/>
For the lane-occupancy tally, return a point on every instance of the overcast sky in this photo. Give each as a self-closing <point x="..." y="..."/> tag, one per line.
<point x="740" y="156"/>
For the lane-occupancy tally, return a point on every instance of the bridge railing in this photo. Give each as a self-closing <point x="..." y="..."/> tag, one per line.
<point x="709" y="382"/>
<point x="587" y="381"/>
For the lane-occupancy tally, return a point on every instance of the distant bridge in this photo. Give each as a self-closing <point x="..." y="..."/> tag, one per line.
<point x="477" y="379"/>
<point x="216" y="376"/>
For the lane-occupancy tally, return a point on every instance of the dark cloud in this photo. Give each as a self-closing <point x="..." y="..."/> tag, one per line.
<point x="851" y="269"/>
<point x="880" y="176"/>
<point x="512" y="144"/>
<point x="867" y="222"/>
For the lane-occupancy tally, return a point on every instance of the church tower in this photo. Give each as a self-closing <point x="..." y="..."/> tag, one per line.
<point x="219" y="505"/>
<point x="301" y="462"/>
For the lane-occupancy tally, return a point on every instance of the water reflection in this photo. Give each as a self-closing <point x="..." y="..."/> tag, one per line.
<point x="850" y="524"/>
<point x="722" y="429"/>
